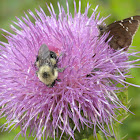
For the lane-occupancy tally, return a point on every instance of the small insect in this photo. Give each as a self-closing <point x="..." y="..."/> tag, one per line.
<point x="122" y="32"/>
<point x="46" y="62"/>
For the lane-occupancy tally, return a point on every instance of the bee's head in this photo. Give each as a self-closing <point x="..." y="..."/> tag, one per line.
<point x="53" y="58"/>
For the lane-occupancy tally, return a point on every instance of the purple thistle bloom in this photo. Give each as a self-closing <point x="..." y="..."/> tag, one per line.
<point x="86" y="92"/>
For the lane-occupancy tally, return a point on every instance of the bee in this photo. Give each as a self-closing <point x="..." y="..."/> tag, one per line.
<point x="46" y="62"/>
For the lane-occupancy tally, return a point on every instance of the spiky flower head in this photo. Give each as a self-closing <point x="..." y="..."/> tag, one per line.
<point x="85" y="95"/>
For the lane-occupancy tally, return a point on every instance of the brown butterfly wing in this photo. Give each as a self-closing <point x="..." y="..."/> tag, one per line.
<point x="129" y="19"/>
<point x="122" y="33"/>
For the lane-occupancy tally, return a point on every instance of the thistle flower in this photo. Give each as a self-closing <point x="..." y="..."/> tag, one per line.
<point x="86" y="92"/>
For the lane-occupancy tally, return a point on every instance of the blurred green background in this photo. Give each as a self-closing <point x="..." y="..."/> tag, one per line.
<point x="119" y="9"/>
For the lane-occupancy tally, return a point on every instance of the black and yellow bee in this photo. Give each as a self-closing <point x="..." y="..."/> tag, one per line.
<point x="46" y="62"/>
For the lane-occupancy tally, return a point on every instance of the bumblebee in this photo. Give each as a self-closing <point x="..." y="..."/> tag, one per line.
<point x="46" y="62"/>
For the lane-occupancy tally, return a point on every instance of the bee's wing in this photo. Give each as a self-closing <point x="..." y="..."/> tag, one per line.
<point x="44" y="52"/>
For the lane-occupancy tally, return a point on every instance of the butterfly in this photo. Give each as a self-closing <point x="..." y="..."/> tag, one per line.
<point x="122" y="32"/>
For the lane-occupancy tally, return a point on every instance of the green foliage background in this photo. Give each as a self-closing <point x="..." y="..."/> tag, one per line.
<point x="119" y="9"/>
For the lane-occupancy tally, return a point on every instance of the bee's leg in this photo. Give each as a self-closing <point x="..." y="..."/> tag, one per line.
<point x="59" y="56"/>
<point x="37" y="73"/>
<point x="53" y="84"/>
<point x="60" y="69"/>
<point x="59" y="80"/>
<point x="36" y="63"/>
